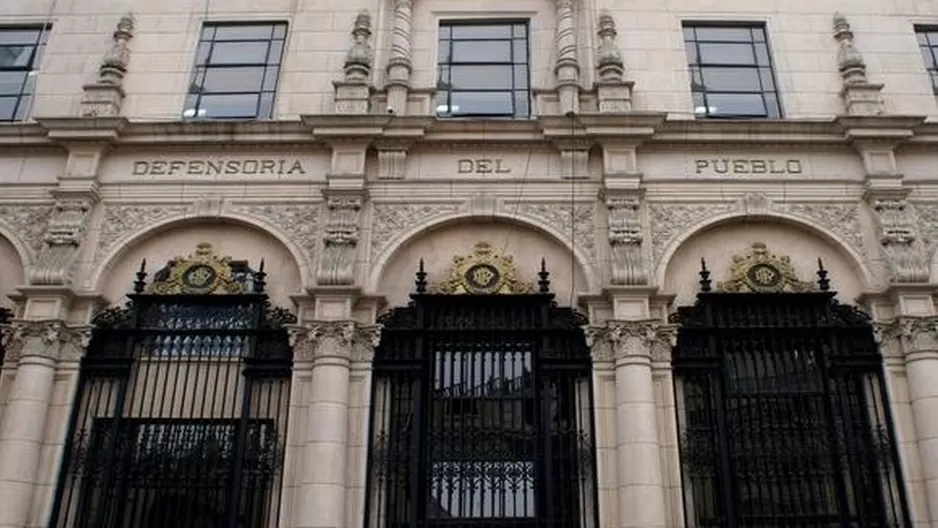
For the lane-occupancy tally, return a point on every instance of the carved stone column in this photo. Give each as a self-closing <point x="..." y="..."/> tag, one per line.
<point x="35" y="346"/>
<point x="399" y="65"/>
<point x="905" y="256"/>
<point x="625" y="238"/>
<point x="321" y="498"/>
<point x="918" y="337"/>
<point x="340" y="240"/>
<point x="567" y="67"/>
<point x="641" y="492"/>
<point x="105" y="96"/>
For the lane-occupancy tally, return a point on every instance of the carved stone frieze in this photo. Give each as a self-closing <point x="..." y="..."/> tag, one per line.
<point x="623" y="339"/>
<point x="578" y="220"/>
<point x="298" y="222"/>
<point x="914" y="334"/>
<point x="625" y="240"/>
<point x="905" y="254"/>
<point x="334" y="339"/>
<point x="389" y="221"/>
<point x="669" y="220"/>
<point x="120" y="221"/>
<point x="926" y="217"/>
<point x="51" y="339"/>
<point x="28" y="222"/>
<point x="55" y="263"/>
<point x="340" y="239"/>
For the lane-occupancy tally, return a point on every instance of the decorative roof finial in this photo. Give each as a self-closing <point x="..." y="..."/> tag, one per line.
<point x="421" y="281"/>
<point x="704" y="276"/>
<point x="849" y="60"/>
<point x="141" y="282"/>
<point x="824" y="284"/>
<point x="114" y="65"/>
<point x="544" y="278"/>
<point x="360" y="56"/>
<point x="609" y="64"/>
<point x="260" y="279"/>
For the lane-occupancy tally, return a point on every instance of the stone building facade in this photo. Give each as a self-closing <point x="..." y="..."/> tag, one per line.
<point x="614" y="145"/>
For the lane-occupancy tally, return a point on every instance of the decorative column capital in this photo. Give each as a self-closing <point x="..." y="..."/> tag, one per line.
<point x="51" y="339"/>
<point x="344" y="340"/>
<point x="913" y="333"/>
<point x="650" y="339"/>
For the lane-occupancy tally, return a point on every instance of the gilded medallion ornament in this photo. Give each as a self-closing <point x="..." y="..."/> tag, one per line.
<point x="483" y="272"/>
<point x="759" y="270"/>
<point x="200" y="273"/>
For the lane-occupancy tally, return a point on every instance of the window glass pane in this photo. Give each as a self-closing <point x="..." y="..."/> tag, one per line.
<point x="30" y="86"/>
<point x="522" y="103"/>
<point x="446" y="32"/>
<point x="772" y="107"/>
<point x="520" y="31"/>
<point x="442" y="54"/>
<point x="762" y="55"/>
<point x="734" y="34"/>
<point x="929" y="58"/>
<point x="233" y="80"/>
<point x="19" y="36"/>
<point x="23" y="107"/>
<point x="731" y="80"/>
<point x="726" y="54"/>
<point x="489" y="103"/>
<point x="243" y="32"/>
<point x="481" y="77"/>
<point x="768" y="81"/>
<point x="266" y="108"/>
<point x="280" y="31"/>
<point x="736" y="104"/>
<point x="270" y="79"/>
<point x="482" y="51"/>
<point x="11" y="83"/>
<point x="275" y="52"/>
<point x="934" y="80"/>
<point x="688" y="33"/>
<point x="239" y="53"/>
<point x="201" y="54"/>
<point x="758" y="34"/>
<point x="473" y="31"/>
<point x="521" y="77"/>
<point x="15" y="56"/>
<point x="692" y="57"/>
<point x="7" y="107"/>
<point x="700" y="107"/>
<point x="208" y="32"/>
<point x="228" y="106"/>
<point x="520" y="51"/>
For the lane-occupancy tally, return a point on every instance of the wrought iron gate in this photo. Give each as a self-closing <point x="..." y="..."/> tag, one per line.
<point x="5" y="316"/>
<point x="482" y="411"/>
<point x="783" y="410"/>
<point x="181" y="406"/>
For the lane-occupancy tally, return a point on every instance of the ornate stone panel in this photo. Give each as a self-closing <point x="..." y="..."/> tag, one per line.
<point x="841" y="219"/>
<point x="28" y="222"/>
<point x="120" y="221"/>
<point x="389" y="221"/>
<point x="299" y="222"/>
<point x="668" y="220"/>
<point x="578" y="219"/>
<point x="927" y="219"/>
<point x="51" y="339"/>
<point x="353" y="341"/>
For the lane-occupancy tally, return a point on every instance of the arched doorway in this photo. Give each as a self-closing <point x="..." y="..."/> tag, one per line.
<point x="181" y="408"/>
<point x="783" y="411"/>
<point x="482" y="406"/>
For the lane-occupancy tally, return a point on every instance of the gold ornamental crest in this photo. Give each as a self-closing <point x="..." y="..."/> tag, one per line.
<point x="483" y="272"/>
<point x="759" y="270"/>
<point x="200" y="273"/>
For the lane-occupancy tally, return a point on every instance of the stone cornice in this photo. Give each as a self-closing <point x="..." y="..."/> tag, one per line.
<point x="51" y="339"/>
<point x="638" y="127"/>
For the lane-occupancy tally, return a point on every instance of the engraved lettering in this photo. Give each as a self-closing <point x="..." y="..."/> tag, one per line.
<point x="499" y="169"/>
<point x="724" y="169"/>
<point x="232" y="167"/>
<point x="701" y="165"/>
<point x="268" y="166"/>
<point x="141" y="168"/>
<point x="297" y="167"/>
<point x="744" y="166"/>
<point x="464" y="166"/>
<point x="158" y="168"/>
<point x="249" y="167"/>
<point x="774" y="169"/>
<point x="214" y="167"/>
<point x="759" y="167"/>
<point x="175" y="166"/>
<point x="740" y="167"/>
<point x="793" y="166"/>
<point x="483" y="166"/>
<point x="197" y="167"/>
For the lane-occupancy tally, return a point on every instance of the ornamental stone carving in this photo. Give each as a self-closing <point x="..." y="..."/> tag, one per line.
<point x="353" y="94"/>
<point x="27" y="222"/>
<point x="649" y="339"/>
<point x="50" y="339"/>
<point x="612" y="90"/>
<point x="860" y="96"/>
<point x="343" y="340"/>
<point x="57" y="259"/>
<point x="905" y="255"/>
<point x="340" y="239"/>
<point x="668" y="220"/>
<point x="926" y="218"/>
<point x="121" y="221"/>
<point x="625" y="239"/>
<point x="390" y="221"/>
<point x="566" y="66"/>
<point x="104" y="97"/>
<point x="914" y="334"/>
<point x="399" y="64"/>
<point x="578" y="221"/>
<point x="298" y="222"/>
<point x="841" y="219"/>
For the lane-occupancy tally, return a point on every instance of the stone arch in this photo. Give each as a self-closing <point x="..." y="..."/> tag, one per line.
<point x="379" y="266"/>
<point x="849" y="254"/>
<point x="259" y="229"/>
<point x="16" y="255"/>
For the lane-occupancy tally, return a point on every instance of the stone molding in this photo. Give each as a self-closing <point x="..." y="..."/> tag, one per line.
<point x="615" y="340"/>
<point x="349" y="340"/>
<point x="51" y="339"/>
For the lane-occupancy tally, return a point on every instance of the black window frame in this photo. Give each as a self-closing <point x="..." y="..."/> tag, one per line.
<point x="203" y="66"/>
<point x="763" y="68"/>
<point x="23" y="96"/>
<point x="445" y="63"/>
<point x="929" y="49"/>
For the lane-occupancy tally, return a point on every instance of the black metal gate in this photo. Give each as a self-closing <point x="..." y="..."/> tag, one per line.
<point x="181" y="410"/>
<point x="482" y="413"/>
<point x="783" y="413"/>
<point x="5" y="316"/>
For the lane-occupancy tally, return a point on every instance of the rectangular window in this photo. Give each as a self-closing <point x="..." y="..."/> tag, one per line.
<point x="731" y="71"/>
<point x="483" y="69"/>
<point x="20" y="53"/>
<point x="236" y="71"/>
<point x="928" y="43"/>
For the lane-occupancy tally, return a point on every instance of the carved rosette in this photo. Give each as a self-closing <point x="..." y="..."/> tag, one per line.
<point x="340" y="240"/>
<point x="905" y="256"/>
<point x="343" y="340"/>
<point x="651" y="340"/>
<point x="50" y="339"/>
<point x="56" y="261"/>
<point x="625" y="240"/>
